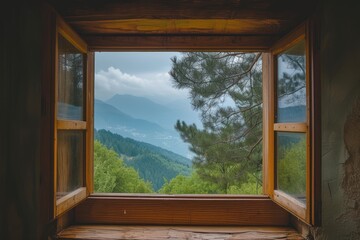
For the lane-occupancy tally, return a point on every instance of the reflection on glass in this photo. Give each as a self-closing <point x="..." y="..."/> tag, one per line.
<point x="291" y="164"/>
<point x="291" y="85"/>
<point x="70" y="158"/>
<point x="70" y="81"/>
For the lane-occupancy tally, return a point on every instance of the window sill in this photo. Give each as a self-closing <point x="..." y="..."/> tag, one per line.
<point x="217" y="210"/>
<point x="176" y="232"/>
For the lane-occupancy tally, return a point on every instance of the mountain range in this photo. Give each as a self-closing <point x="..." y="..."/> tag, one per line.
<point x="144" y="120"/>
<point x="164" y="115"/>
<point x="110" y="118"/>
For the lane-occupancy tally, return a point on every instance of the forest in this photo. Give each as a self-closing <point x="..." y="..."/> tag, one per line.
<point x="226" y="89"/>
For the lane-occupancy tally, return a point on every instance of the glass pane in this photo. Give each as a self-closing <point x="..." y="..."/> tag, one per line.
<point x="71" y="66"/>
<point x="291" y="85"/>
<point x="70" y="161"/>
<point x="291" y="164"/>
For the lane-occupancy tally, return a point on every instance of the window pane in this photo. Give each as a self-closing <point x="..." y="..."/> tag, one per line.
<point x="70" y="159"/>
<point x="291" y="164"/>
<point x="291" y="85"/>
<point x="71" y="64"/>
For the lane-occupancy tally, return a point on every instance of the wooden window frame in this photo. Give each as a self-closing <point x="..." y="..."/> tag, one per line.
<point x="73" y="198"/>
<point x="309" y="213"/>
<point x="188" y="209"/>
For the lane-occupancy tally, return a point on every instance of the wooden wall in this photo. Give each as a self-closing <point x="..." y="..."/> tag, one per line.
<point x="24" y="211"/>
<point x="20" y="107"/>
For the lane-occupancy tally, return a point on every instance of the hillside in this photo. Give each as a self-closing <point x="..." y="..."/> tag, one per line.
<point x="153" y="163"/>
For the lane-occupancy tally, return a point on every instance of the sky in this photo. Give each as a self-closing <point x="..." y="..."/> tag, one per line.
<point x="143" y="74"/>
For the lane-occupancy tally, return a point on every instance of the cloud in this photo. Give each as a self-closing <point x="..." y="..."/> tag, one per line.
<point x="156" y="86"/>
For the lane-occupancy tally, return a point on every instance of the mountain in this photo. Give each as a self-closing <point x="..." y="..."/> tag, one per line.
<point x="110" y="118"/>
<point x="143" y="108"/>
<point x="153" y="163"/>
<point x="164" y="115"/>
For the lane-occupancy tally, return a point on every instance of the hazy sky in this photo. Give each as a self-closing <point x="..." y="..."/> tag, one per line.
<point x="136" y="73"/>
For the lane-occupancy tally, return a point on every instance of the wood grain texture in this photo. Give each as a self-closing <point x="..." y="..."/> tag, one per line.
<point x="89" y="94"/>
<point x="180" y="42"/>
<point x="197" y="16"/>
<point x="70" y="200"/>
<point x="182" y="9"/>
<point x="291" y="127"/>
<point x="291" y="204"/>
<point x="71" y="125"/>
<point x="258" y="211"/>
<point x="178" y="26"/>
<point x="267" y="124"/>
<point x="48" y="193"/>
<point x="177" y="232"/>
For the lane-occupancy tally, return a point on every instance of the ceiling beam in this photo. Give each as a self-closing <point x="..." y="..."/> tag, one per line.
<point x="180" y="43"/>
<point x="178" y="26"/>
<point x="93" y="10"/>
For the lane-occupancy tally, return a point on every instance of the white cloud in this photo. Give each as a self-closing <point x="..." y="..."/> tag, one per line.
<point x="156" y="86"/>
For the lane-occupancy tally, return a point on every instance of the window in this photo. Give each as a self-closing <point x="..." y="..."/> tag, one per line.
<point x="288" y="144"/>
<point x="72" y="125"/>
<point x="289" y="124"/>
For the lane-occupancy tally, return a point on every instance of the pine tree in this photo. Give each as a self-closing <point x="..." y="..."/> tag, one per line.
<point x="226" y="88"/>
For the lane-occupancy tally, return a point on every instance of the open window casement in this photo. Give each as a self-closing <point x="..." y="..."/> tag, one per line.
<point x="72" y="119"/>
<point x="288" y="124"/>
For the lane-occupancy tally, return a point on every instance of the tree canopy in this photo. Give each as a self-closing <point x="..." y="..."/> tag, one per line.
<point x="111" y="174"/>
<point x="226" y="88"/>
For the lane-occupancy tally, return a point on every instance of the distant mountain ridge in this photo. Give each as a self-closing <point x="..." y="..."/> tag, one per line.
<point x="153" y="163"/>
<point x="110" y="118"/>
<point x="143" y="108"/>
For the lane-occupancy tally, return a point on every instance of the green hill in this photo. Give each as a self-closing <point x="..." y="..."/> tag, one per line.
<point x="153" y="163"/>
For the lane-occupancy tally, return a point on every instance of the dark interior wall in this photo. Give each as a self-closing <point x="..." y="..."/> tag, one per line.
<point x="20" y="105"/>
<point x="340" y="96"/>
<point x="20" y="69"/>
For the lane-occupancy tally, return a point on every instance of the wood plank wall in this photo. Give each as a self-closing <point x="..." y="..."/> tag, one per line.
<point x="21" y="67"/>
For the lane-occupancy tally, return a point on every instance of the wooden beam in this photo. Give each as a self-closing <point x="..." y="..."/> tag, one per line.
<point x="179" y="26"/>
<point x="179" y="43"/>
<point x="77" y="10"/>
<point x="252" y="211"/>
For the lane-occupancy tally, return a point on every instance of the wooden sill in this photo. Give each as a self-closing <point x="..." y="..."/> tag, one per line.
<point x="176" y="232"/>
<point x="181" y="210"/>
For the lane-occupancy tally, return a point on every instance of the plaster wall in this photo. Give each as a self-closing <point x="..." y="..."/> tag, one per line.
<point x="340" y="97"/>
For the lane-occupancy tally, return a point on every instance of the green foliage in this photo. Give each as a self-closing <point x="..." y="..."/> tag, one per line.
<point x="111" y="175"/>
<point x="153" y="164"/>
<point x="192" y="184"/>
<point x="227" y="90"/>
<point x="251" y="186"/>
<point x="292" y="168"/>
